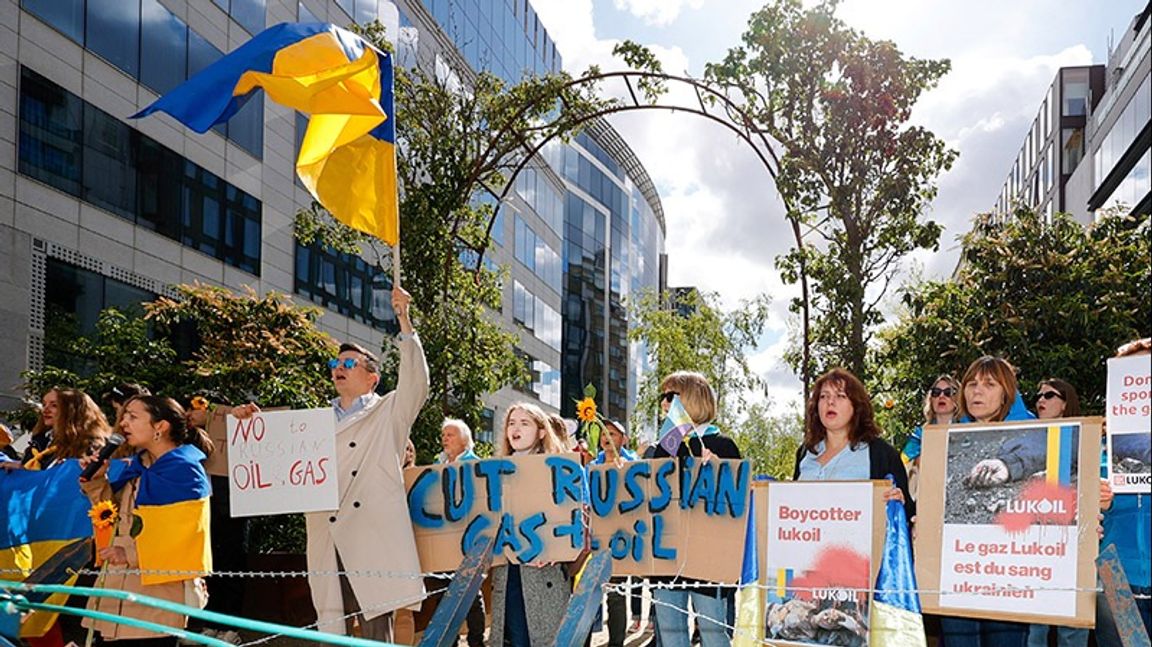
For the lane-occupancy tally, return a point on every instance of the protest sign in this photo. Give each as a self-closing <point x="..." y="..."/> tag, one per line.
<point x="671" y="517"/>
<point x="822" y="551"/>
<point x="282" y="461"/>
<point x="531" y="504"/>
<point x="1006" y="526"/>
<point x="1129" y="412"/>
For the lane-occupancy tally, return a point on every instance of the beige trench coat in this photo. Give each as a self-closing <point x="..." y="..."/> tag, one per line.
<point x="371" y="529"/>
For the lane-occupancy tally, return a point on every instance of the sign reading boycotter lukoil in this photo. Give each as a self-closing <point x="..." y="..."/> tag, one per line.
<point x="1129" y="422"/>
<point x="282" y="461"/>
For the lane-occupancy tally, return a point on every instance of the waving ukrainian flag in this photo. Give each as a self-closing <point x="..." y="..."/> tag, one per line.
<point x="172" y="505"/>
<point x="41" y="512"/>
<point x="348" y="158"/>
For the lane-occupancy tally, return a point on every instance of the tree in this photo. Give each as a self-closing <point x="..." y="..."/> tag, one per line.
<point x="770" y="440"/>
<point x="457" y="144"/>
<point x="692" y="333"/>
<point x="853" y="172"/>
<point x="1055" y="299"/>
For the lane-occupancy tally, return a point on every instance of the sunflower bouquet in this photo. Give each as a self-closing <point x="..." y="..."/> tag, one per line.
<point x="103" y="516"/>
<point x="591" y="424"/>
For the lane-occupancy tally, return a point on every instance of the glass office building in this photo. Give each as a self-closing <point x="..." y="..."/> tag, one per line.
<point x="99" y="210"/>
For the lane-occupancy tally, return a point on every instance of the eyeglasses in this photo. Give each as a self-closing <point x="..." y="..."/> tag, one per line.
<point x="348" y="363"/>
<point x="668" y="396"/>
<point x="946" y="392"/>
<point x="1048" y="395"/>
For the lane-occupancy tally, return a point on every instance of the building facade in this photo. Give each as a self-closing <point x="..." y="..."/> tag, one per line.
<point x="1088" y="151"/>
<point x="1054" y="146"/>
<point x="1120" y="129"/>
<point x="97" y="210"/>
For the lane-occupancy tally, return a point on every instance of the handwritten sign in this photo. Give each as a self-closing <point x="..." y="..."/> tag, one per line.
<point x="531" y="504"/>
<point x="820" y="561"/>
<point x="1006" y="526"/>
<point x="667" y="517"/>
<point x="1129" y="419"/>
<point x="282" y="461"/>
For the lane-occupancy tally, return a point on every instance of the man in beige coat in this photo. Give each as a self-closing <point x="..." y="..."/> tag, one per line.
<point x="370" y="531"/>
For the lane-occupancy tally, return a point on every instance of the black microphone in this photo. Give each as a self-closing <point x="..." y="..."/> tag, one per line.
<point x="110" y="446"/>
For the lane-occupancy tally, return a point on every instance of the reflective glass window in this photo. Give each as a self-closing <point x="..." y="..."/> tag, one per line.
<point x="246" y="127"/>
<point x="109" y="171"/>
<point x="1074" y="92"/>
<point x="163" y="47"/>
<point x="304" y="14"/>
<point x="112" y="30"/>
<point x="347" y="6"/>
<point x="51" y="132"/>
<point x="67" y="16"/>
<point x="367" y="11"/>
<point x="159" y="188"/>
<point x="250" y="14"/>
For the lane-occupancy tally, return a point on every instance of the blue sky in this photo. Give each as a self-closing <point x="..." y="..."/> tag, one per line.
<point x="724" y="222"/>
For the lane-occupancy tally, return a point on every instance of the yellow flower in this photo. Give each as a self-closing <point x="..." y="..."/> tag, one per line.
<point x="103" y="514"/>
<point x="200" y="403"/>
<point x="586" y="410"/>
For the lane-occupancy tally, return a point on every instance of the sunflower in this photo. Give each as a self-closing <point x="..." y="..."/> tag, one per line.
<point x="586" y="410"/>
<point x="200" y="403"/>
<point x="103" y="514"/>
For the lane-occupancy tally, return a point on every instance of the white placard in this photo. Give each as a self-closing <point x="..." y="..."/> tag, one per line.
<point x="819" y="561"/>
<point x="282" y="462"/>
<point x="1130" y="424"/>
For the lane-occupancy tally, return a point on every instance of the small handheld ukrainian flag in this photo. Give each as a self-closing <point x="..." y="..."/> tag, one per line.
<point x="348" y="157"/>
<point x="677" y="425"/>
<point x="896" y="617"/>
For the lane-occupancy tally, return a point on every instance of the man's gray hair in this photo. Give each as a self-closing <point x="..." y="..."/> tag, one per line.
<point x="463" y="428"/>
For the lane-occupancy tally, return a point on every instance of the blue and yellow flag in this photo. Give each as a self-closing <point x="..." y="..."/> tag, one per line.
<point x="42" y="512"/>
<point x="750" y="596"/>
<point x="896" y="617"/>
<point x="172" y="504"/>
<point x="348" y="157"/>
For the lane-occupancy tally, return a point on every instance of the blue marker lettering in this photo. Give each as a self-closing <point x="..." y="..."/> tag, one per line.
<point x="506" y="535"/>
<point x="638" y="544"/>
<point x="703" y="489"/>
<point x="528" y="529"/>
<point x="664" y="489"/>
<point x="455" y="508"/>
<point x="567" y="479"/>
<point x="635" y="470"/>
<point x="418" y="495"/>
<point x="493" y="470"/>
<point x="603" y="484"/>
<point x="732" y="493"/>
<point x="618" y="544"/>
<point x="472" y="534"/>
<point x="658" y="551"/>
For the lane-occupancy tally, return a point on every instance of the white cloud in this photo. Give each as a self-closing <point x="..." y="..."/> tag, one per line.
<point x="657" y="12"/>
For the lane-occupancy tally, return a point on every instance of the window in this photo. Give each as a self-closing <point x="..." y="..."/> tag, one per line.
<point x="346" y="284"/>
<point x="304" y="14"/>
<point x="65" y="15"/>
<point x="87" y="153"/>
<point x="149" y="43"/>
<point x="1074" y="91"/>
<point x="51" y="129"/>
<point x="112" y="30"/>
<point x="163" y="47"/>
<point x="73" y="299"/>
<point x="1073" y="143"/>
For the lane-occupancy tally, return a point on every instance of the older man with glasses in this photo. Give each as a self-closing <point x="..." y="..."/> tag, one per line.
<point x="368" y="539"/>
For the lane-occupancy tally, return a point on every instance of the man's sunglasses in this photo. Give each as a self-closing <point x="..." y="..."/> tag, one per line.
<point x="1048" y="395"/>
<point x="668" y="396"/>
<point x="946" y="391"/>
<point x="348" y="363"/>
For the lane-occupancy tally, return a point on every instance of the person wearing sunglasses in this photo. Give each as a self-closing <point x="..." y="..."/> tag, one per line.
<point x="1056" y="398"/>
<point x="711" y="604"/>
<point x="939" y="409"/>
<point x="371" y="435"/>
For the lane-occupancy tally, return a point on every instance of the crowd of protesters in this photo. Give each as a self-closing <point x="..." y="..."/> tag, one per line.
<point x="181" y="447"/>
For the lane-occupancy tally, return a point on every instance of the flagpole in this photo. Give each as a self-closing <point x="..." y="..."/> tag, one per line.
<point x="396" y="263"/>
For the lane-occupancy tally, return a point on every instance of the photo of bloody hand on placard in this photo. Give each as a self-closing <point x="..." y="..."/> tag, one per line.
<point x="1027" y="474"/>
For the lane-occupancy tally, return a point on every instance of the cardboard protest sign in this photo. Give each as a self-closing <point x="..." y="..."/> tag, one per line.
<point x="1006" y="521"/>
<point x="531" y="504"/>
<point x="1129" y="412"/>
<point x="282" y="461"/>
<point x="823" y="548"/>
<point x="671" y="517"/>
